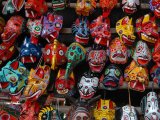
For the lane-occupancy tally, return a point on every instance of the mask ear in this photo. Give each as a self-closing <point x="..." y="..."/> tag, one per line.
<point x="143" y="104"/>
<point x="18" y="4"/>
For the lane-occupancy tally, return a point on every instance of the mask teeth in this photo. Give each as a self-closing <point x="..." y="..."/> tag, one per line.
<point x="31" y="58"/>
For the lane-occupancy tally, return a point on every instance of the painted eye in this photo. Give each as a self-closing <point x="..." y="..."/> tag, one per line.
<point x="106" y="72"/>
<point x="21" y="70"/>
<point x="48" y="52"/>
<point x="60" y="85"/>
<point x="117" y="72"/>
<point x="37" y="28"/>
<point x="61" y="52"/>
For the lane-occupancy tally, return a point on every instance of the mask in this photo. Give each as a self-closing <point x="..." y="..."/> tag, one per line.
<point x="147" y="29"/>
<point x="62" y="85"/>
<point x="75" y="54"/>
<point x="88" y="85"/>
<point x="156" y="53"/>
<point x="155" y="74"/>
<point x="35" y="8"/>
<point x="12" y="5"/>
<point x="54" y="54"/>
<point x="81" y="30"/>
<point x="155" y="7"/>
<point x="6" y="116"/>
<point x="150" y="106"/>
<point x="97" y="58"/>
<point x="13" y="28"/>
<point x="118" y="52"/>
<point x="105" y="109"/>
<point x="2" y="25"/>
<point x="85" y="7"/>
<point x="30" y="53"/>
<point x="52" y="24"/>
<point x="125" y="30"/>
<point x="58" y="4"/>
<point x="130" y="6"/>
<point x="111" y="78"/>
<point x="142" y="54"/>
<point x="100" y="31"/>
<point x="38" y="80"/>
<point x="136" y="76"/>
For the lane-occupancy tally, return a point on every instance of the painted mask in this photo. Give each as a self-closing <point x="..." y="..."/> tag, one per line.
<point x="150" y="106"/>
<point x="156" y="53"/>
<point x="147" y="29"/>
<point x="75" y="54"/>
<point x="52" y="24"/>
<point x="136" y="76"/>
<point x="88" y="85"/>
<point x="85" y="7"/>
<point x="130" y="6"/>
<point x="125" y="30"/>
<point x="111" y="78"/>
<point x="155" y="74"/>
<point x="81" y="30"/>
<point x="58" y="4"/>
<point x="35" y="8"/>
<point x="54" y="54"/>
<point x="155" y="7"/>
<point x="97" y="58"/>
<point x="12" y="5"/>
<point x="100" y="31"/>
<point x="30" y="53"/>
<point x="2" y="25"/>
<point x="38" y="80"/>
<point x="13" y="28"/>
<point x="62" y="85"/>
<point x="105" y="110"/>
<point x="142" y="54"/>
<point x="118" y="52"/>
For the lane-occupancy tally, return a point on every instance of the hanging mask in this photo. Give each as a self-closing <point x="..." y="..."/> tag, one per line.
<point x="58" y="4"/>
<point x="62" y="85"/>
<point x="2" y="25"/>
<point x="150" y="106"/>
<point x="118" y="52"/>
<point x="111" y="78"/>
<point x="38" y="81"/>
<point x="13" y="28"/>
<point x="130" y="6"/>
<point x="97" y="58"/>
<point x="156" y="53"/>
<point x="100" y="31"/>
<point x="52" y="24"/>
<point x="142" y="54"/>
<point x="85" y="7"/>
<point x="155" y="7"/>
<point x="125" y="30"/>
<point x="12" y="5"/>
<point x="35" y="8"/>
<point x="155" y="74"/>
<point x="147" y="29"/>
<point x="54" y="54"/>
<point x="75" y="54"/>
<point x="30" y="53"/>
<point x="88" y="85"/>
<point x="136" y="76"/>
<point x="81" y="30"/>
<point x="105" y="110"/>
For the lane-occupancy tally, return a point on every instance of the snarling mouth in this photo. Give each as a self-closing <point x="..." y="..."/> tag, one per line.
<point x="30" y="13"/>
<point x="8" y="37"/>
<point x="129" y="10"/>
<point x="51" y="37"/>
<point x="152" y="39"/>
<point x="142" y="60"/>
<point x="17" y="93"/>
<point x="127" y="40"/>
<point x="110" y="85"/>
<point x="58" y="5"/>
<point x="28" y="59"/>
<point x="96" y="67"/>
<point x="82" y="39"/>
<point x="63" y="91"/>
<point x="87" y="94"/>
<point x="118" y="55"/>
<point x="138" y="86"/>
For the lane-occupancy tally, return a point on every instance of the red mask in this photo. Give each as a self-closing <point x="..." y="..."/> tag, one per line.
<point x="156" y="53"/>
<point x="155" y="7"/>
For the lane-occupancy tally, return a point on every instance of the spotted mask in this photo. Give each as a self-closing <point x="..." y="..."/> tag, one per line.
<point x="155" y="74"/>
<point x="155" y="7"/>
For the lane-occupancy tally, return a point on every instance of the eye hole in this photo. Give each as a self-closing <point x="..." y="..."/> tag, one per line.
<point x="117" y="72"/>
<point x="107" y="71"/>
<point x="85" y="118"/>
<point x="78" y="118"/>
<point x="61" y="52"/>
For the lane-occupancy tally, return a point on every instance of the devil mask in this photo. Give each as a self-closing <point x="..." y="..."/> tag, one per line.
<point x="142" y="54"/>
<point x="155" y="7"/>
<point x="155" y="74"/>
<point x="156" y="53"/>
<point x="150" y="106"/>
<point x="111" y="78"/>
<point x="125" y="30"/>
<point x="2" y="25"/>
<point x="147" y="29"/>
<point x="54" y="54"/>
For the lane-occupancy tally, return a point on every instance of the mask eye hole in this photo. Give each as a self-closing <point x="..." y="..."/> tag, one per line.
<point x="78" y="118"/>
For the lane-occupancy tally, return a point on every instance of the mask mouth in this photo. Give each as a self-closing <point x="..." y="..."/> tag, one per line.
<point x="57" y="4"/>
<point x="28" y="59"/>
<point x="30" y="13"/>
<point x="129" y="9"/>
<point x="8" y="37"/>
<point x="82" y="39"/>
<point x="96" y="67"/>
<point x="110" y="83"/>
<point x="150" y="38"/>
<point x="127" y="40"/>
<point x="87" y="94"/>
<point x="35" y="95"/>
<point x="143" y="60"/>
<point x="51" y="36"/>
<point x="138" y="86"/>
<point x="63" y="91"/>
<point x="119" y="55"/>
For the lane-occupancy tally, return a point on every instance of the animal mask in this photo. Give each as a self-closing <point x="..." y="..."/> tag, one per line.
<point x="105" y="110"/>
<point x="111" y="78"/>
<point x="2" y="25"/>
<point x="81" y="30"/>
<point x="38" y="80"/>
<point x="12" y="5"/>
<point x="130" y="6"/>
<point x="88" y="85"/>
<point x="142" y="54"/>
<point x="13" y="28"/>
<point x="156" y="53"/>
<point x="147" y="29"/>
<point x="125" y="30"/>
<point x="150" y="106"/>
<point x="118" y="52"/>
<point x="52" y="24"/>
<point x="155" y="74"/>
<point x="30" y="53"/>
<point x="75" y="54"/>
<point x="100" y="31"/>
<point x="54" y="54"/>
<point x="62" y="85"/>
<point x="58" y="4"/>
<point x="35" y="8"/>
<point x="155" y="7"/>
<point x="136" y="76"/>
